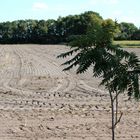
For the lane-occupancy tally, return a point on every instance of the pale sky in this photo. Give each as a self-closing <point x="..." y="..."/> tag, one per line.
<point x="122" y="10"/>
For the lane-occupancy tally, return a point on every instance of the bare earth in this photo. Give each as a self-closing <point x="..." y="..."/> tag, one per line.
<point x="40" y="102"/>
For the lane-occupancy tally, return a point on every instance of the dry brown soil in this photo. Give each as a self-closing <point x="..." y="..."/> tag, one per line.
<point x="38" y="101"/>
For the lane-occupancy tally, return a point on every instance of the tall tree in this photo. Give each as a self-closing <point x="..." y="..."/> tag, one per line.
<point x="136" y="35"/>
<point x="39" y="32"/>
<point x="126" y="31"/>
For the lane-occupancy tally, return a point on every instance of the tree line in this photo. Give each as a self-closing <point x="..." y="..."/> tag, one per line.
<point x="57" y="31"/>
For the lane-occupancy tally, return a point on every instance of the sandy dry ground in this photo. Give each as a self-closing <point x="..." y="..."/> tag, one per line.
<point x="40" y="102"/>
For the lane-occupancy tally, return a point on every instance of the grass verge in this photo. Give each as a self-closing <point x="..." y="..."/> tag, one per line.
<point x="128" y="44"/>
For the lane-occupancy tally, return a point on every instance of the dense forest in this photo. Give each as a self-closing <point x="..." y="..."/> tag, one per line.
<point x="58" y="31"/>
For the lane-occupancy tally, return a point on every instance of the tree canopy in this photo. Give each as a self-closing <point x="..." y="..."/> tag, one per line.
<point x="127" y="31"/>
<point x="57" y="31"/>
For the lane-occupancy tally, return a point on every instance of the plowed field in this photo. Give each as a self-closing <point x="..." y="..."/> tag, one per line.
<point x="39" y="101"/>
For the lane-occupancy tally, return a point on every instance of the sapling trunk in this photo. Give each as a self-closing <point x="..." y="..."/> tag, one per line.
<point x="116" y="119"/>
<point x="112" y="114"/>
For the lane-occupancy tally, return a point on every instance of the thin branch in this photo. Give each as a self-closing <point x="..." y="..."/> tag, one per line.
<point x="134" y="71"/>
<point x="116" y="96"/>
<point x="118" y="119"/>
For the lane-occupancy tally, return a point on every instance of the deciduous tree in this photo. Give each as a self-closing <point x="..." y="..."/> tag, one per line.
<point x="118" y="68"/>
